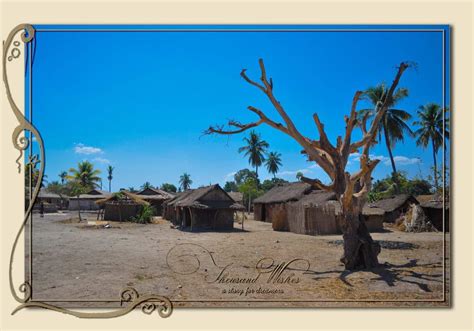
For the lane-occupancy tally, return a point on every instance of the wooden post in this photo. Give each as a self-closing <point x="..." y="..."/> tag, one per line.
<point x="243" y="219"/>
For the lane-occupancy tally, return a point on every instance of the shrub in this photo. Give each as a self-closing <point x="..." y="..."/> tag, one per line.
<point x="144" y="215"/>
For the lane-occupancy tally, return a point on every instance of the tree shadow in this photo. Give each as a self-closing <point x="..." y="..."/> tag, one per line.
<point x="390" y="273"/>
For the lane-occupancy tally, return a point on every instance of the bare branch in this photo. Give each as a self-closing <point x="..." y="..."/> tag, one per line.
<point x="370" y="135"/>
<point x="248" y="80"/>
<point x="317" y="184"/>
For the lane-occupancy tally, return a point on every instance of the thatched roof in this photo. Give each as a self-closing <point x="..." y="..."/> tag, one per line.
<point x="432" y="201"/>
<point x="323" y="198"/>
<point x="93" y="194"/>
<point x="316" y="198"/>
<point x="179" y="196"/>
<point x="236" y="196"/>
<point x="394" y="202"/>
<point x="194" y="199"/>
<point x="45" y="194"/>
<point x="123" y="197"/>
<point x="154" y="194"/>
<point x="284" y="193"/>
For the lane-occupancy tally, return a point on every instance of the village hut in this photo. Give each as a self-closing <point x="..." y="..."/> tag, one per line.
<point x="156" y="198"/>
<point x="52" y="202"/>
<point x="208" y="207"/>
<point x="121" y="206"/>
<point x="395" y="206"/>
<point x="315" y="213"/>
<point x="169" y="206"/>
<point x="237" y="197"/>
<point x="87" y="201"/>
<point x="436" y="210"/>
<point x="319" y="213"/>
<point x="271" y="207"/>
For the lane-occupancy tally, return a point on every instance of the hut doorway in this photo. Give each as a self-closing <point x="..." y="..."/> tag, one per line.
<point x="263" y="215"/>
<point x="187" y="217"/>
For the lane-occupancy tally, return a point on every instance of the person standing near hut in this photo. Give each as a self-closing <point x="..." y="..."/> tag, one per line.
<point x="41" y="209"/>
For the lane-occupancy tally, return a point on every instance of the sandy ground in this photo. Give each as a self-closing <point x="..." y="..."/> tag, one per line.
<point x="79" y="262"/>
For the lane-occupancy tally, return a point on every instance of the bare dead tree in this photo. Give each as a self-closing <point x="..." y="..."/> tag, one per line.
<point x="360" y="251"/>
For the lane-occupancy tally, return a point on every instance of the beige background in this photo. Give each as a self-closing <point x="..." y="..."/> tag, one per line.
<point x="458" y="14"/>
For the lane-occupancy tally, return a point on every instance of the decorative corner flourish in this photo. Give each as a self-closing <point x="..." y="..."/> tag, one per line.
<point x="129" y="296"/>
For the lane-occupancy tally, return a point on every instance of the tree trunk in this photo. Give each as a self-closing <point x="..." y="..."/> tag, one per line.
<point x="110" y="185"/>
<point x="435" y="165"/>
<point x="389" y="149"/>
<point x="360" y="250"/>
<point x="79" y="208"/>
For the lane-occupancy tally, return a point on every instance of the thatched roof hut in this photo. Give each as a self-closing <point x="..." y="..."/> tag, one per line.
<point x="156" y="198"/>
<point x="435" y="209"/>
<point x="271" y="207"/>
<point x="394" y="206"/>
<point x="319" y="213"/>
<point x="121" y="206"/>
<point x="205" y="207"/>
<point x="237" y="196"/>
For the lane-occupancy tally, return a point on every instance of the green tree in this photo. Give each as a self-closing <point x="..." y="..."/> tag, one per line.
<point x="146" y="185"/>
<point x="132" y="189"/>
<point x="85" y="175"/>
<point x="63" y="176"/>
<point x="82" y="180"/>
<point x="167" y="187"/>
<point x="231" y="187"/>
<point x="430" y="121"/>
<point x="250" y="191"/>
<point x="273" y="163"/>
<point x="110" y="176"/>
<point x="242" y="175"/>
<point x="268" y="184"/>
<point x="393" y="124"/>
<point x="185" y="181"/>
<point x="254" y="149"/>
<point x="299" y="175"/>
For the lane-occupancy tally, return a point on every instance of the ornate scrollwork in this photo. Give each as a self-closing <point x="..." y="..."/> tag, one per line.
<point x="148" y="304"/>
<point x="21" y="142"/>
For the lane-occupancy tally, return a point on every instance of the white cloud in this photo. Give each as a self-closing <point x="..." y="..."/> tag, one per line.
<point x="101" y="160"/>
<point x="230" y="176"/>
<point x="88" y="150"/>
<point x="314" y="166"/>
<point x="293" y="173"/>
<point x="403" y="160"/>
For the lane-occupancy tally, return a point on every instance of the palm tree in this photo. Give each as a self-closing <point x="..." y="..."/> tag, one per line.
<point x="146" y="185"/>
<point x="110" y="171"/>
<point x="85" y="175"/>
<point x="393" y="124"/>
<point x="273" y="163"/>
<point x="255" y="150"/>
<point x="431" y="130"/>
<point x="84" y="178"/>
<point x="63" y="176"/>
<point x="185" y="181"/>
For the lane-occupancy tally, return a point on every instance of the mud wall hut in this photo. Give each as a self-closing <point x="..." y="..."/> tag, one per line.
<point x="271" y="207"/>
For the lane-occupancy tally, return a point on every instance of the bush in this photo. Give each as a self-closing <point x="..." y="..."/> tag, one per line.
<point x="145" y="215"/>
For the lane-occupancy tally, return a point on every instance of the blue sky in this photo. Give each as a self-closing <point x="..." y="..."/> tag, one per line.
<point x="140" y="101"/>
